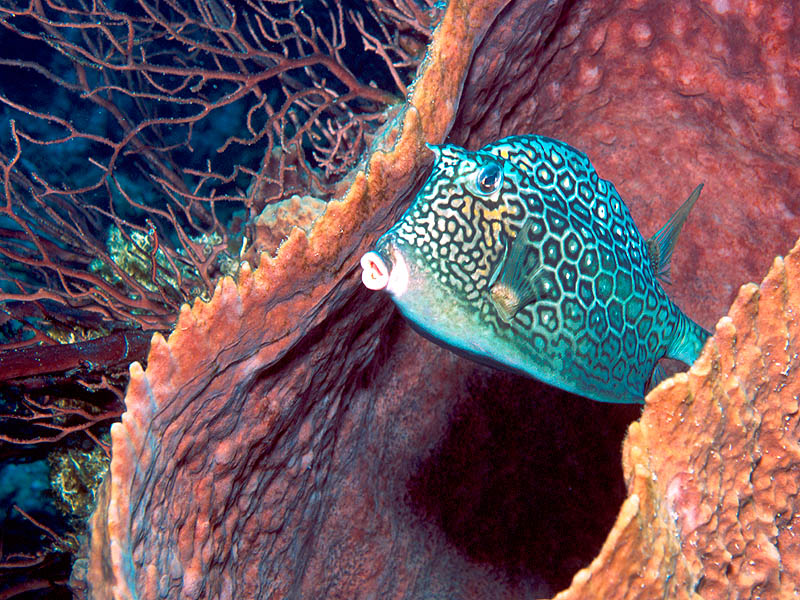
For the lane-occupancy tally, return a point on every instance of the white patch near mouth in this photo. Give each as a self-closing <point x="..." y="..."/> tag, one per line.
<point x="398" y="278"/>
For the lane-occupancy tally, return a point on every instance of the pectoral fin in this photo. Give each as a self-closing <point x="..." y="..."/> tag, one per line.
<point x="518" y="279"/>
<point x="660" y="246"/>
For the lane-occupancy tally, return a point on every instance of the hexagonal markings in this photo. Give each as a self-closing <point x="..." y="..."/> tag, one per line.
<point x="600" y="368"/>
<point x="579" y="215"/>
<point x="544" y="176"/>
<point x="663" y="315"/>
<point x="637" y="377"/>
<point x="613" y="197"/>
<point x="587" y="350"/>
<point x="614" y="312"/>
<point x="555" y="202"/>
<point x="573" y="315"/>
<point x="598" y="323"/>
<point x="601" y="212"/>
<point x="524" y="317"/>
<point x="568" y="277"/>
<point x="586" y="292"/>
<point x="644" y="326"/>
<point x="589" y="263"/>
<point x="522" y="163"/>
<point x="581" y="167"/>
<point x="603" y="286"/>
<point x="653" y="342"/>
<point x="620" y="370"/>
<point x="572" y="246"/>
<point x="585" y="191"/>
<point x="547" y="317"/>
<point x="641" y="354"/>
<point x="566" y="343"/>
<point x="539" y="342"/>
<point x="566" y="184"/>
<point x="537" y="230"/>
<point x="607" y="259"/>
<point x="563" y="346"/>
<point x="624" y="285"/>
<point x="551" y="252"/>
<point x="613" y="345"/>
<point x="601" y="233"/>
<point x="618" y="232"/>
<point x="623" y="260"/>
<point x="548" y="286"/>
<point x="669" y="329"/>
<point x="611" y="350"/>
<point x="633" y="308"/>
<point x="636" y="256"/>
<point x="533" y="202"/>
<point x="650" y="300"/>
<point x="629" y="342"/>
<point x="585" y="346"/>
<point x="555" y="222"/>
<point x="638" y="282"/>
<point x="587" y="235"/>
<point x="552" y="153"/>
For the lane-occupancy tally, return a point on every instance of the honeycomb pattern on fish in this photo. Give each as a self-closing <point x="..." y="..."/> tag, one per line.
<point x="528" y="239"/>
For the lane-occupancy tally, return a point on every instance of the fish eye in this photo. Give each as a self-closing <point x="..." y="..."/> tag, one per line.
<point x="489" y="179"/>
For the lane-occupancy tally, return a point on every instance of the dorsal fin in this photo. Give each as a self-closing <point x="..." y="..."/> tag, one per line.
<point x="660" y="246"/>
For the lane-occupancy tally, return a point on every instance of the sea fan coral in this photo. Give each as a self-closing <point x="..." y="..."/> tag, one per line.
<point x="140" y="143"/>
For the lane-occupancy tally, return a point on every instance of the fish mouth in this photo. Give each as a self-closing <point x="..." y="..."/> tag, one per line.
<point x="380" y="273"/>
<point x="375" y="272"/>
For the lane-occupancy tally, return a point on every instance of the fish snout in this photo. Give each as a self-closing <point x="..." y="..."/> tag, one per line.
<point x="382" y="273"/>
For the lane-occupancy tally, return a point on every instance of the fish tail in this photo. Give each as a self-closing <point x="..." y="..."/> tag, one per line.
<point x="688" y="340"/>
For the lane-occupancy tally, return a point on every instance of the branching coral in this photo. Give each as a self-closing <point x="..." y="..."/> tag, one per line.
<point x="165" y="128"/>
<point x="140" y="143"/>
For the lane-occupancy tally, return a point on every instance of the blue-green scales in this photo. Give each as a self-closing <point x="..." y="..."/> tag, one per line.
<point x="520" y="255"/>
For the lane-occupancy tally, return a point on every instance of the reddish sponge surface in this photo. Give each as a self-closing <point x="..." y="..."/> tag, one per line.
<point x="294" y="438"/>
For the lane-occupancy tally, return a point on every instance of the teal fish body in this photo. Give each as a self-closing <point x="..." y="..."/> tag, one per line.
<point x="520" y="255"/>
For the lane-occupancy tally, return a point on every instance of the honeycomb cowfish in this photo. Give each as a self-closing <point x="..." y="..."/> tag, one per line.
<point x="519" y="255"/>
